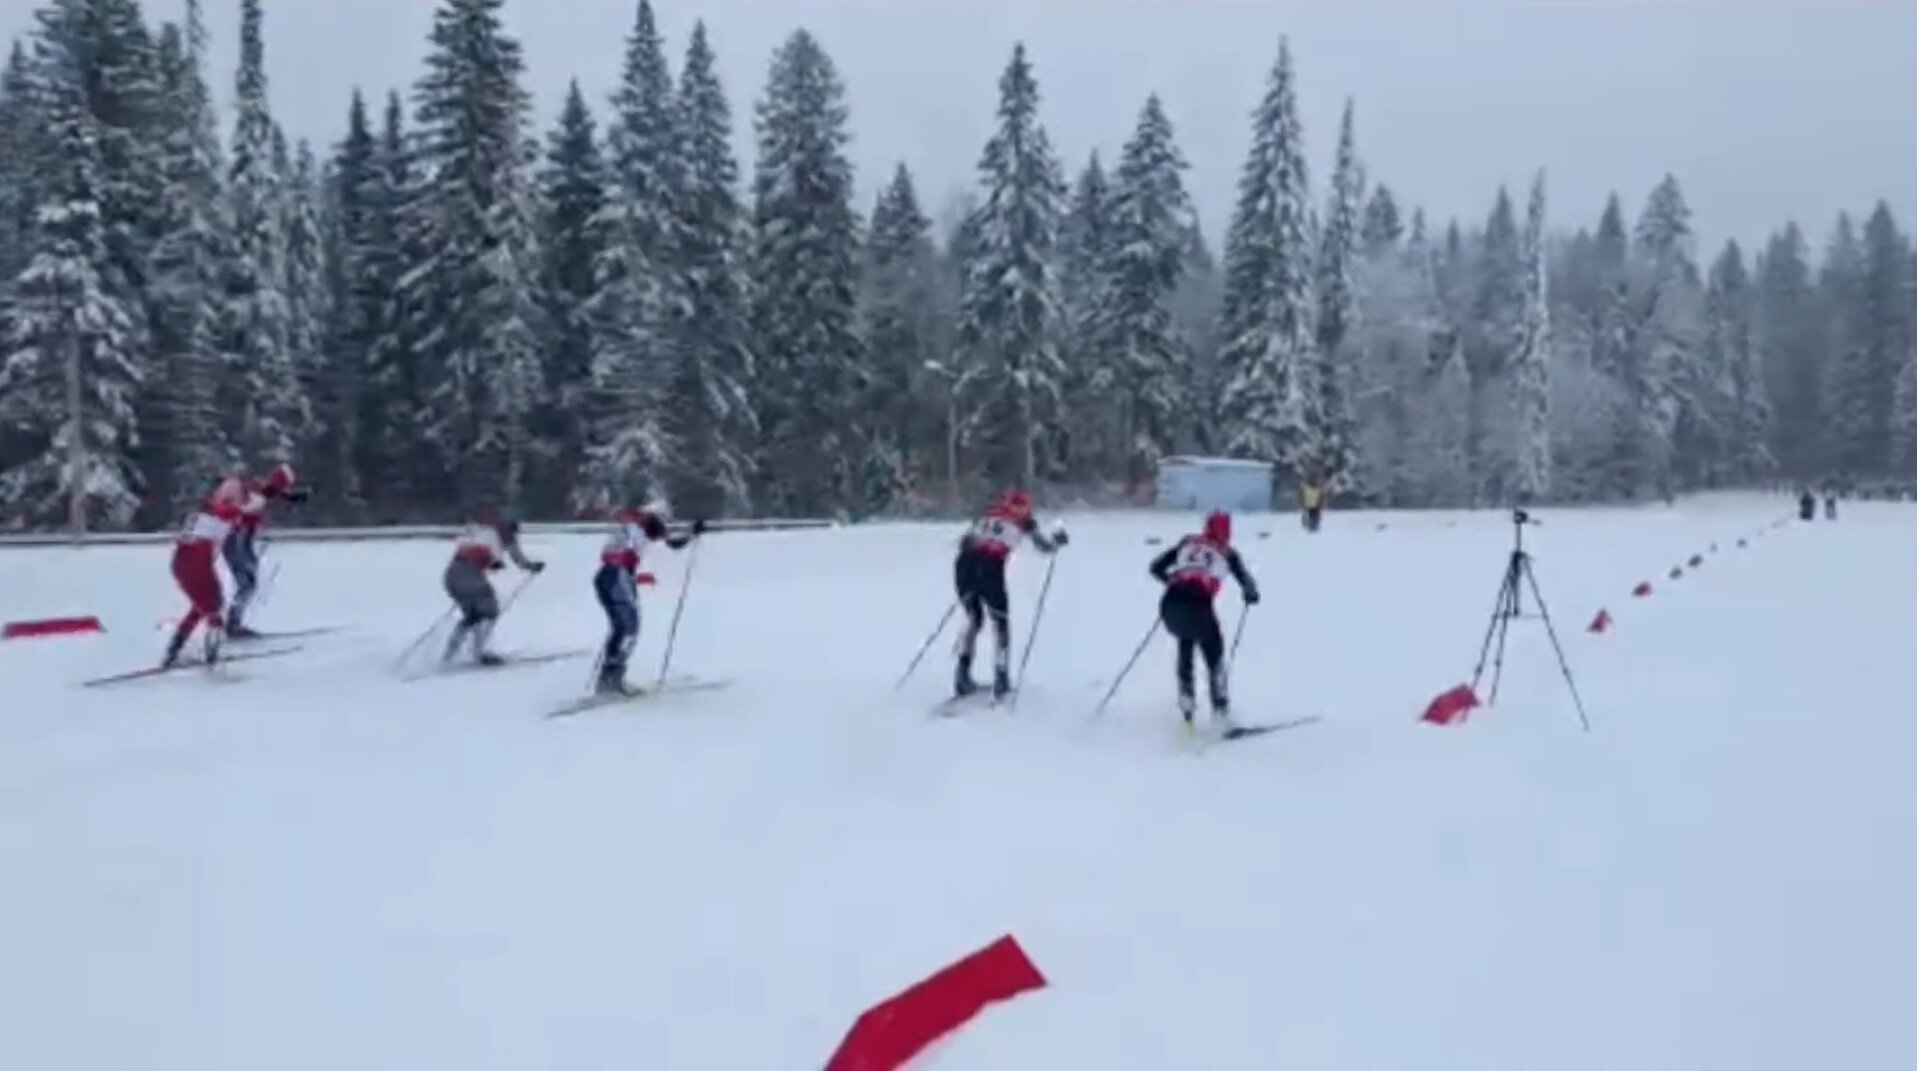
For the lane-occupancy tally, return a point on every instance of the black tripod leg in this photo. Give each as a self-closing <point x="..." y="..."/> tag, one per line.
<point x="1502" y="612"/>
<point x="1550" y="630"/>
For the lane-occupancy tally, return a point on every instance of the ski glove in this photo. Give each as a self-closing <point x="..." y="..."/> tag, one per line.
<point x="296" y="495"/>
<point x="1061" y="537"/>
<point x="1251" y="596"/>
<point x="699" y="526"/>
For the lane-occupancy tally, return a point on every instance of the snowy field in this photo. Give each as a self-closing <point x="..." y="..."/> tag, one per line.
<point x="319" y="867"/>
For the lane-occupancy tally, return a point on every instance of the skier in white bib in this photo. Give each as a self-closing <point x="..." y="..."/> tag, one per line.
<point x="1193" y="572"/>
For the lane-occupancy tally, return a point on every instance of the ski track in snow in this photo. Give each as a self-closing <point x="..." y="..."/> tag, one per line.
<point x="319" y="867"/>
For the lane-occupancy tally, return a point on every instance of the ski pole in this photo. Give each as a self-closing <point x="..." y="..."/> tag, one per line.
<point x="672" y="633"/>
<point x="1126" y="672"/>
<point x="929" y="641"/>
<point x="1038" y="614"/>
<point x="399" y="664"/>
<point x="1238" y="633"/>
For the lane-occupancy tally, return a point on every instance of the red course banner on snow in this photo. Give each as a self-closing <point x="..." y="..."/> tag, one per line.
<point x="891" y="1033"/>
<point x="56" y="626"/>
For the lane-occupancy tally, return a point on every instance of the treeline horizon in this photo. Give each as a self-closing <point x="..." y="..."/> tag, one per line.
<point x="447" y="307"/>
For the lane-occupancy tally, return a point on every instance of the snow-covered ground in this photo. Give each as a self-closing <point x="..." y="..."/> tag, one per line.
<point x="320" y="867"/>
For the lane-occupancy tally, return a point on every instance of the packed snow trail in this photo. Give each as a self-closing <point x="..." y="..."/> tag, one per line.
<point x="321" y="867"/>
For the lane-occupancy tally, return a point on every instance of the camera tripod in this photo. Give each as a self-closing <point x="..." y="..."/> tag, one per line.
<point x="1510" y="607"/>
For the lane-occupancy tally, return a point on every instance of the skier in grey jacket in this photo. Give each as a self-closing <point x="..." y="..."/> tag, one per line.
<point x="484" y="547"/>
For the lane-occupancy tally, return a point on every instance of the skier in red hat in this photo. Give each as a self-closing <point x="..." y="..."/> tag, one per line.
<point x="979" y="575"/>
<point x="1193" y="571"/>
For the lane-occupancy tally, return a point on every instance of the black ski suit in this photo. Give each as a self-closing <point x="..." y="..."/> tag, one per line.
<point x="978" y="574"/>
<point x="1190" y="571"/>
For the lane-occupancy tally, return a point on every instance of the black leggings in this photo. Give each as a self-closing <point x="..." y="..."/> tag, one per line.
<point x="980" y="581"/>
<point x="1188" y="615"/>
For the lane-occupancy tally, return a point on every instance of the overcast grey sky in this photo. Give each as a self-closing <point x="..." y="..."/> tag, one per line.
<point x="1764" y="111"/>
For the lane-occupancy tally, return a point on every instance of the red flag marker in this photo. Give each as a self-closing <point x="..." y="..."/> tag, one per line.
<point x="1451" y="708"/>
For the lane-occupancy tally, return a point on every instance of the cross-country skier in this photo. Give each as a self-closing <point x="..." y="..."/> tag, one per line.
<point x="240" y="549"/>
<point x="488" y="541"/>
<point x="979" y="575"/>
<point x="228" y="506"/>
<point x="616" y="584"/>
<point x="1193" y="571"/>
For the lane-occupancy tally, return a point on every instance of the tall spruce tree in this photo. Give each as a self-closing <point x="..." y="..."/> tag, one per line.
<point x="1731" y="349"/>
<point x="1151" y="218"/>
<point x="901" y="328"/>
<point x="1872" y="314"/>
<point x="401" y="478"/>
<point x="709" y="412"/>
<point x="264" y="397"/>
<point x="1009" y="318"/>
<point x="628" y="452"/>
<point x="1266" y="321"/>
<point x="476" y="292"/>
<point x="574" y="225"/>
<point x="1531" y="364"/>
<point x="1669" y="301"/>
<point x="303" y="281"/>
<point x="811" y="371"/>
<point x="1338" y="251"/>
<point x="1789" y="333"/>
<point x="186" y="298"/>
<point x="73" y="365"/>
<point x="1384" y="227"/>
<point x="360" y="281"/>
<point x="1083" y="436"/>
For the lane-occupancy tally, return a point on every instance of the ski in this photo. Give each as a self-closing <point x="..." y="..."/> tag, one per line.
<point x="1241" y="732"/>
<point x="290" y="634"/>
<point x="156" y="671"/>
<point x="510" y="661"/>
<point x="672" y="687"/>
<point x="953" y="706"/>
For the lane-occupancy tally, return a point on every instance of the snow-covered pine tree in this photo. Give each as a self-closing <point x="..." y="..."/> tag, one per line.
<point x="901" y="327"/>
<point x="1394" y="343"/>
<point x="1730" y="346"/>
<point x="811" y="370"/>
<point x="1872" y="307"/>
<point x="1009" y="318"/>
<point x="1338" y="312"/>
<point x="1669" y="300"/>
<point x="709" y="411"/>
<point x="73" y="366"/>
<point x="190" y="446"/>
<point x="1195" y="319"/>
<point x="303" y="281"/>
<point x="1491" y="339"/>
<point x="1151" y="220"/>
<point x="263" y="400"/>
<point x="1085" y="444"/>
<point x="574" y="186"/>
<point x="1383" y="226"/>
<point x="1786" y="334"/>
<point x="628" y="453"/>
<point x="478" y="287"/>
<point x="1266" y="320"/>
<point x="399" y="475"/>
<point x="359" y="286"/>
<point x="1531" y="363"/>
<point x="23" y="159"/>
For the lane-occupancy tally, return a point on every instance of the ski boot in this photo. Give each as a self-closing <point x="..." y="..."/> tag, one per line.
<point x="1001" y="684"/>
<point x="488" y="658"/>
<point x="962" y="682"/>
<point x="612" y="682"/>
<point x="241" y="632"/>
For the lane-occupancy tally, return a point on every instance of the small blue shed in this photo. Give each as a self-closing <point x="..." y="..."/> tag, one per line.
<point x="1208" y="483"/>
